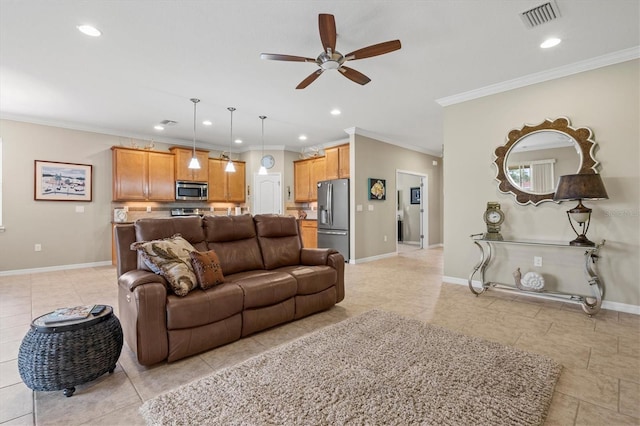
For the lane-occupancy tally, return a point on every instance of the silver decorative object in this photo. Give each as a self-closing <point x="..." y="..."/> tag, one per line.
<point x="532" y="281"/>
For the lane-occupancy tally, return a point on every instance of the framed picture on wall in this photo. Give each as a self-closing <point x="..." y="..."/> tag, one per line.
<point x="377" y="189"/>
<point x="55" y="181"/>
<point x="415" y="195"/>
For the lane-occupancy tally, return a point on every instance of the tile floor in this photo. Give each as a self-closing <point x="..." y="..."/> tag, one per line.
<point x="599" y="385"/>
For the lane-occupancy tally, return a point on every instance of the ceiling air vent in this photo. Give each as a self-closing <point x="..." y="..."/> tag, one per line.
<point x="540" y="14"/>
<point x="168" y="122"/>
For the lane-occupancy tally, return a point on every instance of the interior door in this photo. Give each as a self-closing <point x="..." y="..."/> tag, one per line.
<point x="267" y="196"/>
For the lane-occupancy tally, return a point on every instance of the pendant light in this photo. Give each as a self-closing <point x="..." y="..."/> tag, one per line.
<point x="194" y="163"/>
<point x="230" y="167"/>
<point x="263" y="169"/>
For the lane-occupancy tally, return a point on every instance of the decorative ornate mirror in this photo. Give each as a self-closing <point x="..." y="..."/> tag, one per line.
<point x="534" y="157"/>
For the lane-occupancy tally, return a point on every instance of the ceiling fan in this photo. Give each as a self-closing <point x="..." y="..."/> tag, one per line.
<point x="331" y="59"/>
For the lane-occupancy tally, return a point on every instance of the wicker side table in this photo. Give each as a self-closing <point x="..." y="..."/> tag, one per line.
<point x="63" y="355"/>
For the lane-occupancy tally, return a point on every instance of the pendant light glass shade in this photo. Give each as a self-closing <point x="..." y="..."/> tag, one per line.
<point x="230" y="167"/>
<point x="194" y="163"/>
<point x="263" y="169"/>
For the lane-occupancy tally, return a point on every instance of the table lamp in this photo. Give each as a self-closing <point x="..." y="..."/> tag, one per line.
<point x="580" y="187"/>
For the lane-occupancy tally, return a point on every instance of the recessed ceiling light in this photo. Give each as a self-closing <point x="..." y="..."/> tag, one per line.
<point x="550" y="42"/>
<point x="336" y="112"/>
<point x="302" y="137"/>
<point x="89" y="30"/>
<point x="238" y="141"/>
<point x="158" y="127"/>
<point x="207" y="122"/>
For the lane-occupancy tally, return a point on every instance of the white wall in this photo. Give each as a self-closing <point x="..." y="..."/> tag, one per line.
<point x="607" y="101"/>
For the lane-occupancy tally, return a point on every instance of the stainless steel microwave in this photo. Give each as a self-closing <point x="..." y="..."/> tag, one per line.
<point x="198" y="191"/>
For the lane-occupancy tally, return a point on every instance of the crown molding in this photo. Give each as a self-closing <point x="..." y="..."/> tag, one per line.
<point x="377" y="136"/>
<point x="552" y="74"/>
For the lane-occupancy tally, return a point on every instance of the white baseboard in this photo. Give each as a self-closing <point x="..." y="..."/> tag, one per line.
<point x="54" y="268"/>
<point x="372" y="258"/>
<point x="613" y="306"/>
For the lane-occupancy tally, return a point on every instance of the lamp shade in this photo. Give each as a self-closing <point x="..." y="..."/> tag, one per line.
<point x="580" y="187"/>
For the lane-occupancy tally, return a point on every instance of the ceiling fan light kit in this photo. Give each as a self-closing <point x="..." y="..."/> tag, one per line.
<point x="330" y="59"/>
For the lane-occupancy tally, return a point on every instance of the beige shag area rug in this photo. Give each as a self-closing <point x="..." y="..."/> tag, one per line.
<point x="374" y="369"/>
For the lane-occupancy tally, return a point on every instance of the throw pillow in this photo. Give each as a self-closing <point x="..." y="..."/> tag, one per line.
<point x="207" y="268"/>
<point x="170" y="256"/>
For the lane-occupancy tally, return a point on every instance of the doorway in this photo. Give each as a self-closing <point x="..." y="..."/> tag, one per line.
<point x="412" y="210"/>
<point x="267" y="194"/>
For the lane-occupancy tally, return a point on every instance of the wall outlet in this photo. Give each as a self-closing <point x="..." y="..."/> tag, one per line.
<point x="370" y="207"/>
<point x="37" y="247"/>
<point x="148" y="209"/>
<point x="385" y="238"/>
<point x="79" y="209"/>
<point x="537" y="261"/>
<point x="359" y="207"/>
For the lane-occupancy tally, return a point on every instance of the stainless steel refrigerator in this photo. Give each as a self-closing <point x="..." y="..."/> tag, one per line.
<point x="333" y="215"/>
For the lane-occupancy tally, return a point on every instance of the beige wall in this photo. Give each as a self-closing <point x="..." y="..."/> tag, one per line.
<point x="605" y="100"/>
<point x="67" y="237"/>
<point x="376" y="159"/>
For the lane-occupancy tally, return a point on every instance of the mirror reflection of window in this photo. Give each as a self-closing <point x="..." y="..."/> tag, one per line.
<point x="536" y="176"/>
<point x="521" y="176"/>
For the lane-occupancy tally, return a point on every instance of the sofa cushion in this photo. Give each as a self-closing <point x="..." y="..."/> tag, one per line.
<point x="170" y="257"/>
<point x="264" y="288"/>
<point x="234" y="240"/>
<point x="189" y="227"/>
<point x="312" y="279"/>
<point x="279" y="240"/>
<point x="206" y="266"/>
<point x="202" y="307"/>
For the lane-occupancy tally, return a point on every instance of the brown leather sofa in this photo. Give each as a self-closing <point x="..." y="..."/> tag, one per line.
<point x="269" y="280"/>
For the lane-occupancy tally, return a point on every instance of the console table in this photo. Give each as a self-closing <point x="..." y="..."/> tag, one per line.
<point x="590" y="304"/>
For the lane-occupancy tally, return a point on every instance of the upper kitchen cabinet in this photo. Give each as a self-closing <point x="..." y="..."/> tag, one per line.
<point x="142" y="175"/>
<point x="183" y="157"/>
<point x="226" y="187"/>
<point x="337" y="162"/>
<point x="306" y="175"/>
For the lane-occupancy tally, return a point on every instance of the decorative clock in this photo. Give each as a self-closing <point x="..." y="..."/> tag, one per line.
<point x="493" y="217"/>
<point x="268" y="161"/>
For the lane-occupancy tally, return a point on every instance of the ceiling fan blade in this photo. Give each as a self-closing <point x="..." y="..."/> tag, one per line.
<point x="307" y="81"/>
<point x="278" y="57"/>
<point x="374" y="50"/>
<point x="354" y="75"/>
<point x="327" y="25"/>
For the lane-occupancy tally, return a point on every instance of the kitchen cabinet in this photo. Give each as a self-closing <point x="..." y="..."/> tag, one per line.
<point x="306" y="175"/>
<point x="226" y="187"/>
<point x="140" y="175"/>
<point x="337" y="162"/>
<point x="183" y="158"/>
<point x="309" y="233"/>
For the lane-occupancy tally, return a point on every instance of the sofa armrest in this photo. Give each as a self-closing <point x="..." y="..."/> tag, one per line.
<point x="133" y="279"/>
<point x="330" y="257"/>
<point x="336" y="261"/>
<point x="142" y="307"/>
<point x="315" y="256"/>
